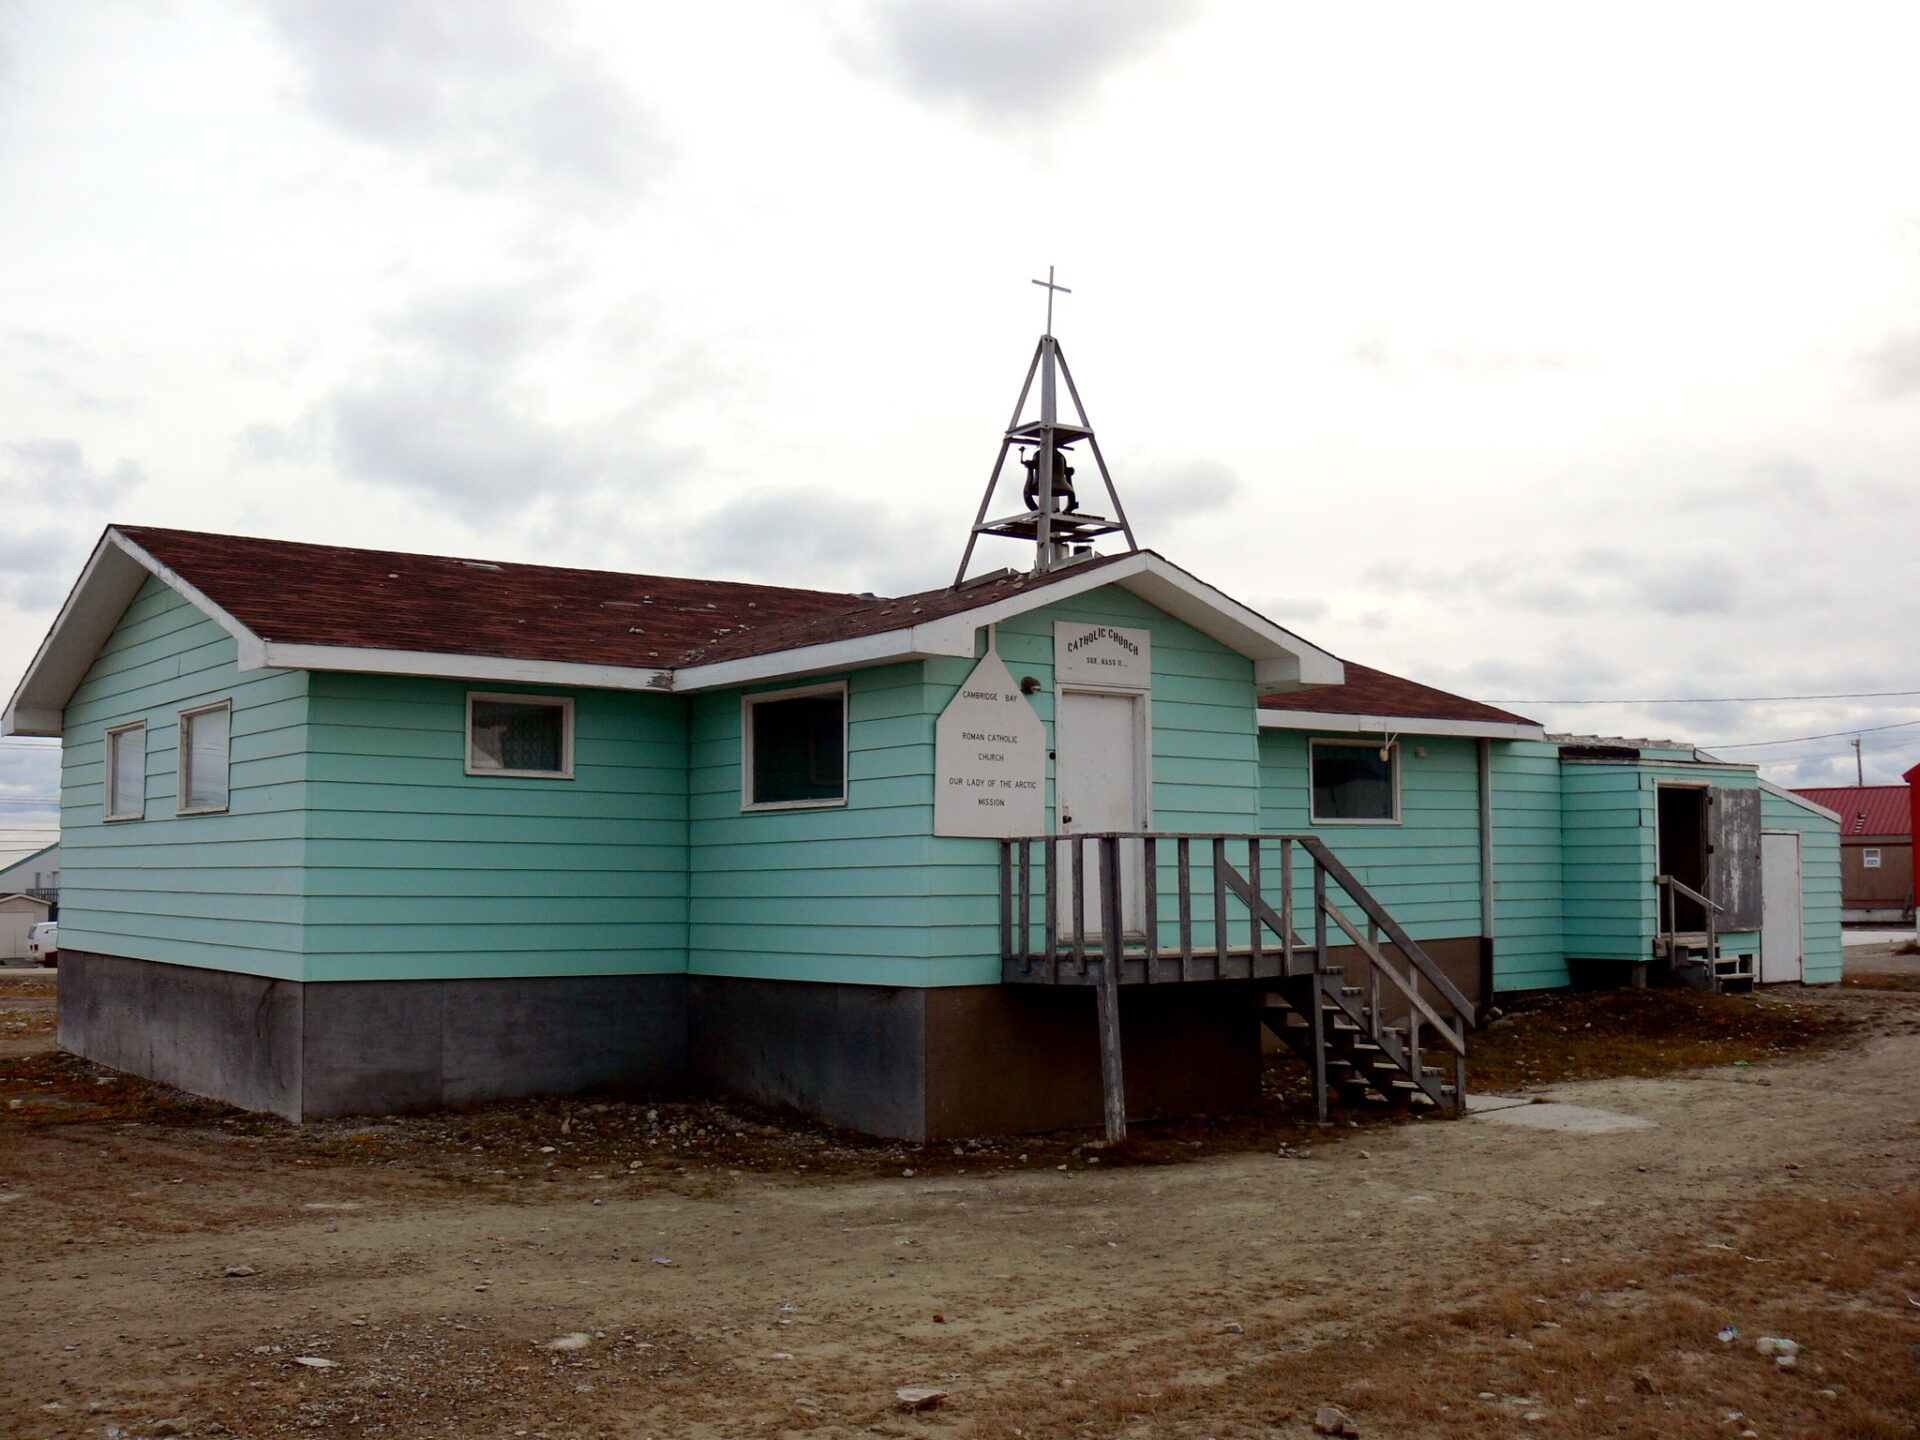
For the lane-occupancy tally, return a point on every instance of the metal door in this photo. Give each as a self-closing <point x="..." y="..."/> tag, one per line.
<point x="1782" y="940"/>
<point x="1101" y="785"/>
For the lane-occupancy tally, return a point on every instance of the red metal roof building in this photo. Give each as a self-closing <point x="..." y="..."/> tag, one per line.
<point x="1877" y="877"/>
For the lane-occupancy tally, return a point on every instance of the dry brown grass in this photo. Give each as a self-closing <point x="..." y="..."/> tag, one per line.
<point x="1882" y="980"/>
<point x="1573" y="1352"/>
<point x="1598" y="1034"/>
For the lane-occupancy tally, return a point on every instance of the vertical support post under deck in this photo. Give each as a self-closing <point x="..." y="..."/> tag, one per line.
<point x="1317" y="1016"/>
<point x="1112" y="1081"/>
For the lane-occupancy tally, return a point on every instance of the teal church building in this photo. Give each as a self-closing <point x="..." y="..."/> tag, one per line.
<point x="352" y="831"/>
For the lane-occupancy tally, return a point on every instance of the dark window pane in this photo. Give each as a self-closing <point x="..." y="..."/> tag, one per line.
<point x="799" y="750"/>
<point x="1352" y="782"/>
<point x="509" y="736"/>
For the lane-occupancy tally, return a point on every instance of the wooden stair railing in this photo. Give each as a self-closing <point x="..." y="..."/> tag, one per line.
<point x="1365" y="1042"/>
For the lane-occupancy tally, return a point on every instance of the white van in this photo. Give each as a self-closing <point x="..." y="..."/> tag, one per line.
<point x="43" y="943"/>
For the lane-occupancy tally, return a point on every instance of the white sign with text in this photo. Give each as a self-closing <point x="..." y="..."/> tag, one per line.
<point x="1108" y="655"/>
<point x="989" y="758"/>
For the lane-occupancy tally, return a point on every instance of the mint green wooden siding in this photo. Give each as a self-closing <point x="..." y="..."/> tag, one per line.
<point x="216" y="890"/>
<point x="864" y="893"/>
<point x="1529" y="951"/>
<point x="1608" y="852"/>
<point x="1426" y="868"/>
<point x="418" y="870"/>
<point x="1819" y="882"/>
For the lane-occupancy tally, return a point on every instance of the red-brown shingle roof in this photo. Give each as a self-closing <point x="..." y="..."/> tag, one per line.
<point x="299" y="594"/>
<point x="1374" y="692"/>
<point x="1866" y="809"/>
<point x="292" y="593"/>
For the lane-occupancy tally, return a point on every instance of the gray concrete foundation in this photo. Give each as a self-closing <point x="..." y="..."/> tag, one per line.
<point x="375" y="1047"/>
<point x="887" y="1060"/>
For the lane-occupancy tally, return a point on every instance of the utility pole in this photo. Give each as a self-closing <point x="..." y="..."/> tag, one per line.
<point x="1859" y="767"/>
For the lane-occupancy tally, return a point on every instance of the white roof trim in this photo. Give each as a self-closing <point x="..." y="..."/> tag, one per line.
<point x="108" y="582"/>
<point x="1396" y="725"/>
<point x="1782" y="793"/>
<point x="362" y="661"/>
<point x="1282" y="661"/>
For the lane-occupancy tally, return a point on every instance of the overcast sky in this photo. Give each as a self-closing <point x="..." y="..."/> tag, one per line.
<point x="1534" y="351"/>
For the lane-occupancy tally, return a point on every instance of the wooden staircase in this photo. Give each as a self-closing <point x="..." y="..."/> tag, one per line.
<point x="1365" y="1058"/>
<point x="1224" y="908"/>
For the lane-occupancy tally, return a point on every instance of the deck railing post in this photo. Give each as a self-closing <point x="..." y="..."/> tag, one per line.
<point x="1220" y="936"/>
<point x="1006" y="901"/>
<point x="1112" y="1081"/>
<point x="1026" y="903"/>
<point x="1286" y="904"/>
<point x="1183" y="857"/>
<point x="1253" y="910"/>
<point x="1051" y="940"/>
<point x="1079" y="844"/>
<point x="1317" y="1017"/>
<point x="1150" y="902"/>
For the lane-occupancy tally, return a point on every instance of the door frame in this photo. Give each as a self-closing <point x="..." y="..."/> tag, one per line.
<point x="1132" y="894"/>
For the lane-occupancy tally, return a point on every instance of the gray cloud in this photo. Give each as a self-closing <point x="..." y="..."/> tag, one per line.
<point x="37" y="566"/>
<point x="56" y="473"/>
<point x="490" y="89"/>
<point x="1699" y="580"/>
<point x="1780" y="480"/>
<point x="1159" y="497"/>
<point x="446" y="417"/>
<point x="1893" y="366"/>
<point x="1013" y="60"/>
<point x="814" y="538"/>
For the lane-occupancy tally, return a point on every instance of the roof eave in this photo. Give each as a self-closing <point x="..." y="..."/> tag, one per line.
<point x="108" y="582"/>
<point x="442" y="665"/>
<point x="1780" y="792"/>
<point x="1282" y="661"/>
<point x="1341" y="724"/>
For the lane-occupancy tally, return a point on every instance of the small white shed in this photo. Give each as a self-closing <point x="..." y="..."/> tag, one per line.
<point x="18" y="915"/>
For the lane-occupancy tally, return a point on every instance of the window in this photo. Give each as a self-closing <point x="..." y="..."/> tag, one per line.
<point x="1870" y="859"/>
<point x="795" y="748"/>
<point x="1356" y="781"/>
<point x="203" y="758"/>
<point x="528" y="735"/>
<point x="126" y="784"/>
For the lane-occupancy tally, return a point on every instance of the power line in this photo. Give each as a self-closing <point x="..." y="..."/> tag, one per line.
<point x="1722" y="699"/>
<point x="1797" y="739"/>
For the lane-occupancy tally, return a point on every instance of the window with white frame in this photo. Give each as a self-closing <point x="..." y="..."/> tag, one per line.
<point x="525" y="735"/>
<point x="794" y="748"/>
<point x="204" y="735"/>
<point x="1356" y="781"/>
<point x="1870" y="858"/>
<point x="126" y="779"/>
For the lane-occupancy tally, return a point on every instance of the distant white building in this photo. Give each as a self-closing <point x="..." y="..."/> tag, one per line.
<point x="36" y="874"/>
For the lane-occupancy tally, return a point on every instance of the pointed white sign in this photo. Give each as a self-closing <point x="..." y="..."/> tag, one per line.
<point x="989" y="758"/>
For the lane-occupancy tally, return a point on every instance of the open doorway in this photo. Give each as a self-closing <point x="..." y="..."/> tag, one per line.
<point x="1683" y="850"/>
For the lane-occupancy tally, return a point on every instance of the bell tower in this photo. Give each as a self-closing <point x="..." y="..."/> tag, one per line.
<point x="1052" y="518"/>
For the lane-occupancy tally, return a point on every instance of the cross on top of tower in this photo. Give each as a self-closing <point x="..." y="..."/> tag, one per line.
<point x="1048" y="285"/>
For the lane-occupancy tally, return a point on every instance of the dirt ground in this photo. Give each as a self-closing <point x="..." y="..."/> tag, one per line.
<point x="176" y="1267"/>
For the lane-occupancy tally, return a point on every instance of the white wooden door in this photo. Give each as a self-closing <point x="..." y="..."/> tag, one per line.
<point x="1101" y="785"/>
<point x="1782" y="946"/>
<point x="13" y="933"/>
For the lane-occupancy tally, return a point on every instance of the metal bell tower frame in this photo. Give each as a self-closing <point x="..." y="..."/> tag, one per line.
<point x="1059" y="535"/>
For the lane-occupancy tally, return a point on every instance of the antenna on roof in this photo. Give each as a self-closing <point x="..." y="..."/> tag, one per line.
<point x="1060" y="530"/>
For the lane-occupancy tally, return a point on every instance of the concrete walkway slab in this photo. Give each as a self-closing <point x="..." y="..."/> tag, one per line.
<point x="1566" y="1119"/>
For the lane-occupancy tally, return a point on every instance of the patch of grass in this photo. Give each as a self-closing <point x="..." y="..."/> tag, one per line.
<point x="1881" y="980"/>
<point x="1568" y="1352"/>
<point x="1587" y="1035"/>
